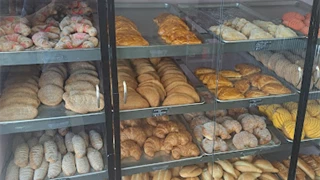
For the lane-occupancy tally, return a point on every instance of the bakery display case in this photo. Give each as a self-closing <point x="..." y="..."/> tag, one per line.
<point x="159" y="90"/>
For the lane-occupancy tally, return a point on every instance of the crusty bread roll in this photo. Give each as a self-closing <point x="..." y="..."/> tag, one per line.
<point x="95" y="139"/>
<point x="51" y="151"/>
<point x="41" y="172"/>
<point x="140" y="176"/>
<point x="68" y="164"/>
<point x="306" y="168"/>
<point x="85" y="137"/>
<point x="245" y="166"/>
<point x="95" y="159"/>
<point x="21" y="155"/>
<point x="205" y="175"/>
<point x="26" y="173"/>
<point x="68" y="141"/>
<point x="177" y="99"/>
<point x="79" y="146"/>
<point x="55" y="168"/>
<point x="82" y="165"/>
<point x="249" y="176"/>
<point x="228" y="167"/>
<point x="162" y="175"/>
<point x="190" y="171"/>
<point x="215" y="170"/>
<point x="36" y="156"/>
<point x="50" y="95"/>
<point x="12" y="172"/>
<point x="265" y="166"/>
<point x="268" y="176"/>
<point x="58" y="139"/>
<point x="228" y="176"/>
<point x="18" y="112"/>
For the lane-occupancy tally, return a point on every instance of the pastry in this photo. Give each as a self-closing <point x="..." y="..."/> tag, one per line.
<point x="188" y="150"/>
<point x="249" y="176"/>
<point x="79" y="86"/>
<point x="232" y="126"/>
<point x="96" y="140"/>
<point x="26" y="173"/>
<point x="228" y="93"/>
<point x="185" y="89"/>
<point x="288" y="129"/>
<point x="215" y="170"/>
<point x="95" y="159"/>
<point x="68" y="164"/>
<point x="162" y="175"/>
<point x="164" y="128"/>
<point x="246" y="69"/>
<point x="279" y="116"/>
<point x="68" y="141"/>
<point x="230" y="74"/>
<point x="130" y="148"/>
<point x="227" y="33"/>
<point x="312" y="163"/>
<point x="205" y="175"/>
<point x="176" y="138"/>
<point x="283" y="170"/>
<point x="152" y="145"/>
<point x="245" y="166"/>
<point x="255" y="94"/>
<point x="265" y="80"/>
<point x="85" y="137"/>
<point x="222" y="81"/>
<point x="177" y="99"/>
<point x="133" y="133"/>
<point x="134" y="101"/>
<point x="244" y="140"/>
<point x="306" y="168"/>
<point x="268" y="176"/>
<point x="212" y="129"/>
<point x="250" y="122"/>
<point x="263" y="135"/>
<point x="190" y="171"/>
<point x="58" y="139"/>
<point x="18" y="112"/>
<point x="242" y="85"/>
<point x="55" y="168"/>
<point x="203" y="70"/>
<point x="79" y="146"/>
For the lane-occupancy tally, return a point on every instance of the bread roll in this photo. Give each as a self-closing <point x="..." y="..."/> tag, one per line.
<point x="249" y="176"/>
<point x="85" y="137"/>
<point x="228" y="167"/>
<point x="79" y="146"/>
<point x="140" y="176"/>
<point x="68" y="164"/>
<point x="36" y="156"/>
<point x="205" y="175"/>
<point x="41" y="172"/>
<point x="190" y="171"/>
<point x="44" y="138"/>
<point x="227" y="176"/>
<point x="12" y="172"/>
<point x="245" y="166"/>
<point x="306" y="168"/>
<point x="58" y="139"/>
<point x="215" y="170"/>
<point x="268" y="176"/>
<point x="50" y="95"/>
<point x="55" y="168"/>
<point x="51" y="151"/>
<point x="32" y="142"/>
<point x="175" y="171"/>
<point x="68" y="141"/>
<point x="162" y="175"/>
<point x="95" y="159"/>
<point x="26" y="173"/>
<point x="96" y="140"/>
<point x="265" y="166"/>
<point x="21" y="155"/>
<point x="82" y="165"/>
<point x="18" y="112"/>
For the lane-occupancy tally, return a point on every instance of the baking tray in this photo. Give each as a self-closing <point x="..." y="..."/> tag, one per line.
<point x="162" y="110"/>
<point x="207" y="15"/>
<point x="229" y="60"/>
<point x="273" y="143"/>
<point x="160" y="156"/>
<point x="142" y="14"/>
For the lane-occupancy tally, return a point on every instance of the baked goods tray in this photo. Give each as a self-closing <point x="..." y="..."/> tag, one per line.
<point x="51" y="118"/>
<point x="232" y="149"/>
<point x="170" y="110"/>
<point x="229" y="60"/>
<point x="142" y="14"/>
<point x="160" y="161"/>
<point x="207" y="15"/>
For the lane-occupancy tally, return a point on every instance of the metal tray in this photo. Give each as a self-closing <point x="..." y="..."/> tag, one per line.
<point x="273" y="143"/>
<point x="229" y="60"/>
<point x="142" y="15"/>
<point x="163" y="110"/>
<point x="159" y="157"/>
<point x="207" y="15"/>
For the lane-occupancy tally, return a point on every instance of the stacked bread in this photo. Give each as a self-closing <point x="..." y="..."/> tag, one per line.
<point x="153" y="83"/>
<point x="243" y="168"/>
<point x="174" y="31"/>
<point x="80" y="87"/>
<point x="287" y="65"/>
<point x="240" y="29"/>
<point x="156" y="134"/>
<point x="51" y="83"/>
<point x="284" y="118"/>
<point x="127" y="33"/>
<point x="44" y="154"/>
<point x="245" y="82"/>
<point x="246" y="131"/>
<point x="308" y="167"/>
<point x="19" y="98"/>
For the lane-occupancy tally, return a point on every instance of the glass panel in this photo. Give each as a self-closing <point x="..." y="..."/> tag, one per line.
<point x="51" y="91"/>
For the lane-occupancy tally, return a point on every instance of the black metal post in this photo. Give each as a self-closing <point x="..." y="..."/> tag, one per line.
<point x="105" y="63"/>
<point x="306" y="80"/>
<point x="115" y="91"/>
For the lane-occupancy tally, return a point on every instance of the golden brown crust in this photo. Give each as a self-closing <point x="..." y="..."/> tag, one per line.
<point x="230" y="74"/>
<point x="242" y="85"/>
<point x="247" y="69"/>
<point x="275" y="89"/>
<point x="255" y="93"/>
<point x="204" y="70"/>
<point x="222" y="82"/>
<point x="266" y="79"/>
<point x="227" y="93"/>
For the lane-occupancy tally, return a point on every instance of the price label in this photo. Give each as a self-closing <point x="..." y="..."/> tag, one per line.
<point x="262" y="45"/>
<point x="160" y="112"/>
<point x="255" y="102"/>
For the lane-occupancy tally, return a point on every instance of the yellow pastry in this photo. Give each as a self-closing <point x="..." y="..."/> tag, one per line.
<point x="262" y="108"/>
<point x="271" y="109"/>
<point x="312" y="127"/>
<point x="280" y="116"/>
<point x="288" y="129"/>
<point x="313" y="109"/>
<point x="290" y="105"/>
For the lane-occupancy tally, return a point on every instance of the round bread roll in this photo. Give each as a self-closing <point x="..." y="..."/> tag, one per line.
<point x="190" y="171"/>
